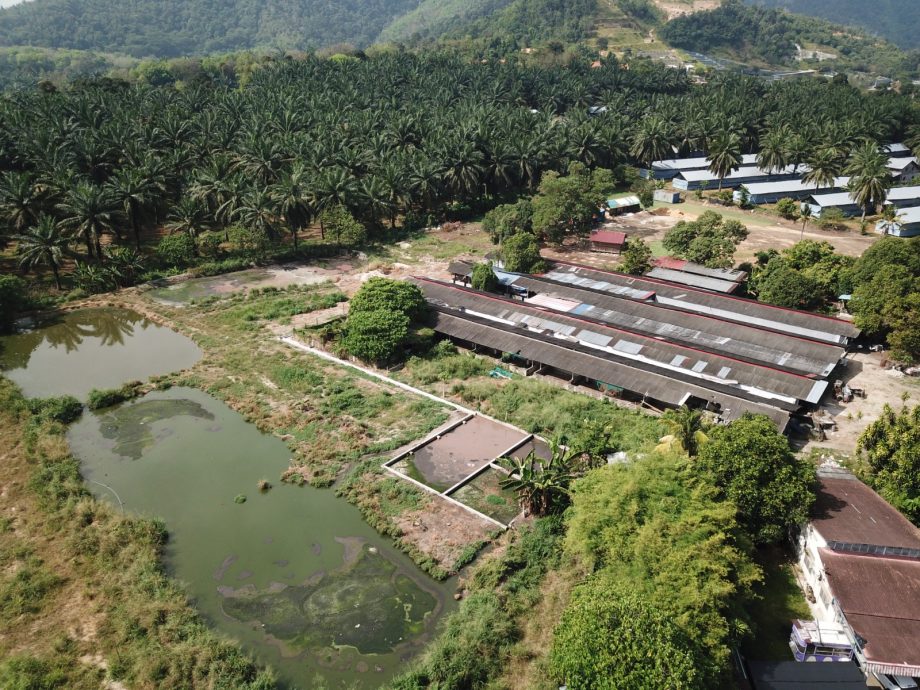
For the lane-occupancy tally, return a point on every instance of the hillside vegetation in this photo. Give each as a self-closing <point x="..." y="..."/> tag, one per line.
<point x="770" y="36"/>
<point x="168" y="28"/>
<point x="895" y="20"/>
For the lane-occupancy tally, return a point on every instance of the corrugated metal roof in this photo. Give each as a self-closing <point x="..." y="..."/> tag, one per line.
<point x="880" y="598"/>
<point x="696" y="163"/>
<point x="793" y="675"/>
<point x="757" y="314"/>
<point x="693" y="279"/>
<point x="903" y="193"/>
<point x="568" y="357"/>
<point x="846" y="510"/>
<point x="675" y="264"/>
<point x="901" y="162"/>
<point x="750" y="171"/>
<point x="791" y="186"/>
<point x="622" y="201"/>
<point x="751" y="379"/>
<point x="608" y="237"/>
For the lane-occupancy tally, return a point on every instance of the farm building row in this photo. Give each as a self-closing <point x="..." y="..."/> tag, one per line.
<point x="621" y="335"/>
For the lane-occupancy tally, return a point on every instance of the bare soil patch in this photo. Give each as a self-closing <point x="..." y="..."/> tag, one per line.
<point x="882" y="386"/>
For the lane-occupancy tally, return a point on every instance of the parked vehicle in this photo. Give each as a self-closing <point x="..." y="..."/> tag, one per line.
<point x="819" y="641"/>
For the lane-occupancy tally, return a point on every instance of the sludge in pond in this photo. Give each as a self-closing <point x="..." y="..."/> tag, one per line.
<point x="367" y="605"/>
<point x="129" y="425"/>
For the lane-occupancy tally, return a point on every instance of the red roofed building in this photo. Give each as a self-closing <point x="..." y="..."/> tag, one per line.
<point x="608" y="241"/>
<point x="861" y="560"/>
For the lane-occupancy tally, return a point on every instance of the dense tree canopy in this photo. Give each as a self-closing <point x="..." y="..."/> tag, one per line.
<point x="380" y="319"/>
<point x="891" y="447"/>
<point x="710" y="240"/>
<point x="650" y="526"/>
<point x="752" y="463"/>
<point x="611" y="638"/>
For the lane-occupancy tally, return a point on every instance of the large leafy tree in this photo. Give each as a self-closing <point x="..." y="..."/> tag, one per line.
<point x="891" y="449"/>
<point x="708" y="240"/>
<point x="751" y="462"/>
<point x="380" y="319"/>
<point x="667" y="536"/>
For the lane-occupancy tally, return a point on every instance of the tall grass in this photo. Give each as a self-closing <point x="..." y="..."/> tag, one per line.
<point x="148" y="632"/>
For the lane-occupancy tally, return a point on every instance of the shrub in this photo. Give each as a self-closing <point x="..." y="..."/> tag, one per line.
<point x="252" y="242"/>
<point x="521" y="254"/>
<point x="483" y="278"/>
<point x="209" y="243"/>
<point x="610" y="637"/>
<point x="177" y="250"/>
<point x="12" y="300"/>
<point x="100" y="399"/>
<point x="832" y="219"/>
<point x="788" y="208"/>
<point x="64" y="409"/>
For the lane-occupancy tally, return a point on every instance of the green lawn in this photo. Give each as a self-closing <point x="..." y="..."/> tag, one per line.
<point x="771" y="616"/>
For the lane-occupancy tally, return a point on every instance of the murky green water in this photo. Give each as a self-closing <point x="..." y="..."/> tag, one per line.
<point x="92" y="348"/>
<point x="293" y="573"/>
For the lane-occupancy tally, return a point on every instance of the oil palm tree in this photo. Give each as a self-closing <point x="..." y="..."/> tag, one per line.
<point x="774" y="153"/>
<point x="135" y="191"/>
<point x="43" y="245"/>
<point x="291" y="196"/>
<point x="188" y="216"/>
<point x="652" y="141"/>
<point x="823" y="168"/>
<point x="724" y="155"/>
<point x="870" y="178"/>
<point x="20" y="201"/>
<point x="88" y="211"/>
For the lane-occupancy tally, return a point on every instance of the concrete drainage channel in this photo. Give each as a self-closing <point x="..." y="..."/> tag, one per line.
<point x="459" y="460"/>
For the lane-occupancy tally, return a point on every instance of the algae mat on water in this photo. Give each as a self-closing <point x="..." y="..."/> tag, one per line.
<point x="293" y="573"/>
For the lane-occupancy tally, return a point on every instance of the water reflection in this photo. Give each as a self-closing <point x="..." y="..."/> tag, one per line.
<point x="77" y="351"/>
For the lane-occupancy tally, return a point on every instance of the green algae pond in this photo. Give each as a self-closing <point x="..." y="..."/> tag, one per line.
<point x="293" y="573"/>
<point x="74" y="352"/>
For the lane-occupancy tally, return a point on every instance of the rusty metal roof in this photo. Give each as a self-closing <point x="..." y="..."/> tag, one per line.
<point x="848" y="511"/>
<point x="881" y="600"/>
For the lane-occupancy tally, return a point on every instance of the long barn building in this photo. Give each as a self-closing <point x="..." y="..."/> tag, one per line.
<point x="618" y="337"/>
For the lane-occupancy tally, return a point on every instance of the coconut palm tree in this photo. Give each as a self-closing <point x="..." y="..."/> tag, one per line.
<point x="43" y="245"/>
<point x="688" y="428"/>
<point x="805" y="214"/>
<point x="870" y="178"/>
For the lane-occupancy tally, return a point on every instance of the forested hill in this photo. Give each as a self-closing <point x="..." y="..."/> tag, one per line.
<point x="896" y="20"/>
<point x="523" y="20"/>
<point x="168" y="28"/>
